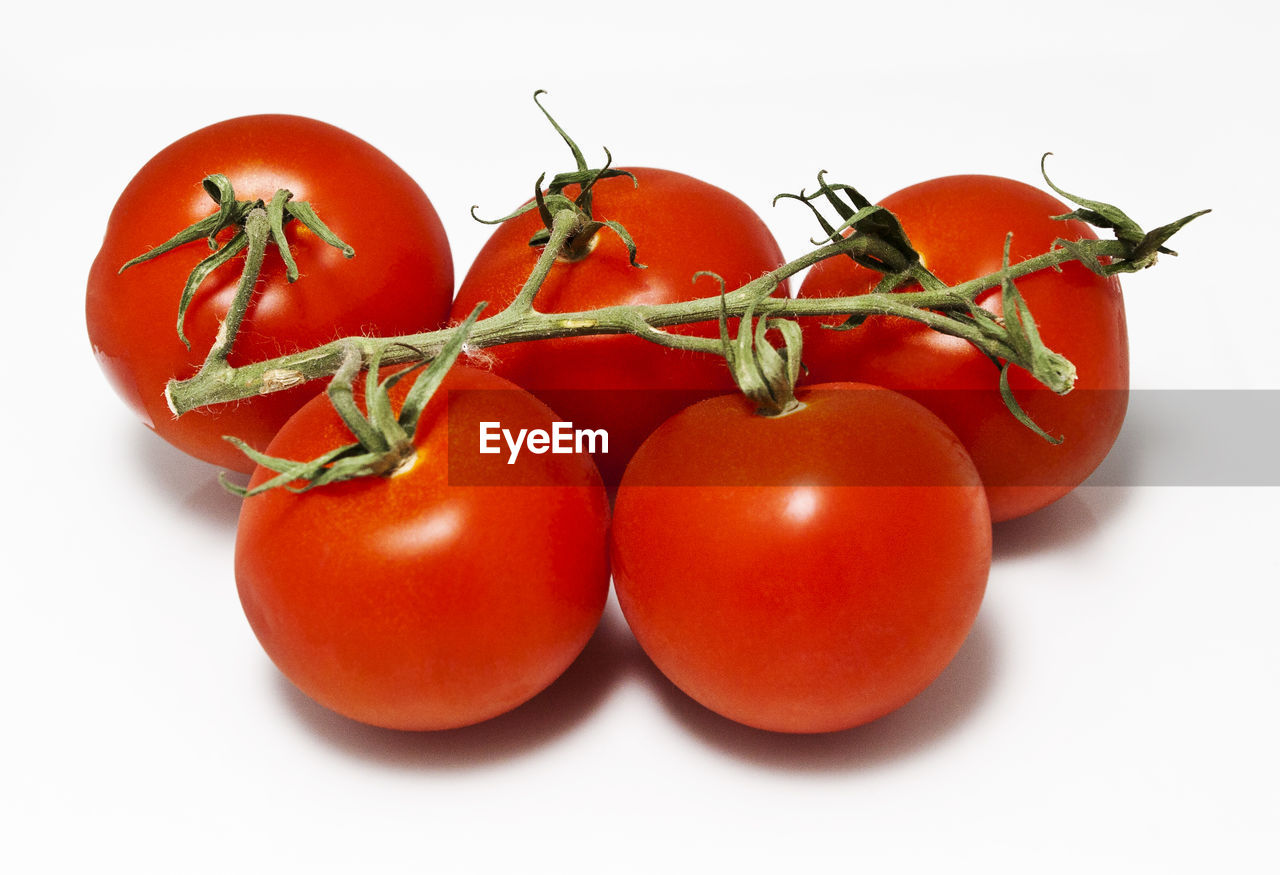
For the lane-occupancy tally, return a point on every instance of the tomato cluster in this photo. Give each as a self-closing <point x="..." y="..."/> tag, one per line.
<point x="804" y="571"/>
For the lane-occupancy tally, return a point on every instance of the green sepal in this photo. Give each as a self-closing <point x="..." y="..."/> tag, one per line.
<point x="1098" y="213"/>
<point x="779" y="369"/>
<point x="302" y="211"/>
<point x="429" y="381"/>
<point x="543" y="210"/>
<point x="377" y="400"/>
<point x="230" y="212"/>
<point x="198" y="275"/>
<point x="1143" y="245"/>
<point x="625" y="235"/>
<point x="1143" y="255"/>
<point x="746" y="372"/>
<point x="1023" y="335"/>
<point x="548" y="205"/>
<point x="540" y="202"/>
<point x="864" y="218"/>
<point x="722" y="318"/>
<point x="583" y="176"/>
<point x="289" y="470"/>
<point x="1084" y="254"/>
<point x="763" y="374"/>
<point x="855" y="320"/>
<point x="855" y="197"/>
<point x="806" y="199"/>
<point x="219" y="188"/>
<point x="1006" y="393"/>
<point x="341" y="392"/>
<point x="982" y="319"/>
<point x="275" y="217"/>
<point x="1097" y="220"/>
<point x="209" y="225"/>
<point x="349" y="468"/>
<point x="726" y="339"/>
<point x="588" y="178"/>
<point x="554" y="198"/>
<point x="531" y="205"/>
<point x="573" y="147"/>
<point x="869" y="219"/>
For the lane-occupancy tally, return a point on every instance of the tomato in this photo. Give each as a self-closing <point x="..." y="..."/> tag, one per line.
<point x="400" y="280"/>
<point x="804" y="573"/>
<point x="428" y="599"/>
<point x="621" y="383"/>
<point x="958" y="225"/>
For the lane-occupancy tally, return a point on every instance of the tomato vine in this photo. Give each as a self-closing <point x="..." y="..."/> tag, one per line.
<point x="864" y="232"/>
<point x="941" y="307"/>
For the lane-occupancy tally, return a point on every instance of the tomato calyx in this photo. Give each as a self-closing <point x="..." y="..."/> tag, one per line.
<point x="582" y="241"/>
<point x="762" y="372"/>
<point x="234" y="213"/>
<point x="1020" y="327"/>
<point x="383" y="445"/>
<point x="1142" y="247"/>
<point x="886" y="248"/>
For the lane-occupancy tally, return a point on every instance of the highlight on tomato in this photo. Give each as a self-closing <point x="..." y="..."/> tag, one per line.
<point x="807" y="572"/>
<point x="416" y="600"/>
<point x="959" y="224"/>
<point x="399" y="281"/>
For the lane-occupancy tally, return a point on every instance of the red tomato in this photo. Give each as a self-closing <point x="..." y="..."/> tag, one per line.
<point x="417" y="601"/>
<point x="958" y="225"/>
<point x="680" y="226"/>
<point x="400" y="280"/>
<point x="814" y="572"/>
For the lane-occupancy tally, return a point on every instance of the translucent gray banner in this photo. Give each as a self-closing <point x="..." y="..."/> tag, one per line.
<point x="1169" y="438"/>
<point x="1196" y="437"/>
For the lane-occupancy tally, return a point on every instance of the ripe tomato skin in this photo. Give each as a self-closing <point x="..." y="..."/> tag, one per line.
<point x="681" y="225"/>
<point x="826" y="566"/>
<point x="400" y="280"/>
<point x="958" y="225"/>
<point x="412" y="603"/>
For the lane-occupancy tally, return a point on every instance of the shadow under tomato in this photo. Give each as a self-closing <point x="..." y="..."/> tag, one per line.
<point x="1068" y="522"/>
<point x="189" y="484"/>
<point x="555" y="711"/>
<point x="1074" y="518"/>
<point x="923" y="722"/>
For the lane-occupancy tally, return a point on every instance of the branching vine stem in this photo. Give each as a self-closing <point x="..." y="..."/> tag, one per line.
<point x="939" y="306"/>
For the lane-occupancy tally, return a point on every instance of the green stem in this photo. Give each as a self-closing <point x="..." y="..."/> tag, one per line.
<point x="563" y="224"/>
<point x="257" y="228"/>
<point x="218" y="382"/>
<point x="342" y="396"/>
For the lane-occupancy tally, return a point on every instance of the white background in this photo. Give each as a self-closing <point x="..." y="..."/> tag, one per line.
<point x="1115" y="707"/>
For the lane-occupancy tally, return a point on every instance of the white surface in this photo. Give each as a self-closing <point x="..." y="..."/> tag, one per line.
<point x="1115" y="707"/>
